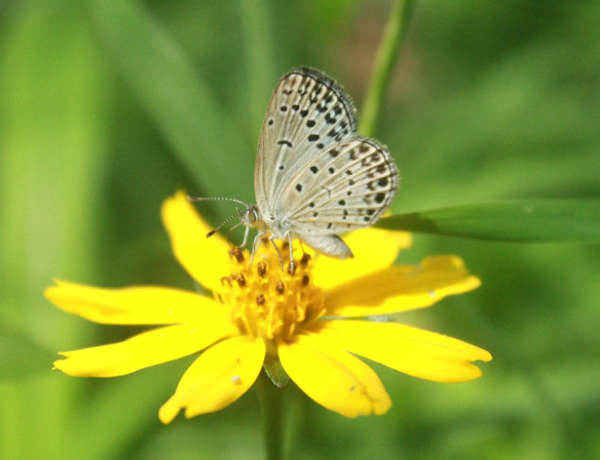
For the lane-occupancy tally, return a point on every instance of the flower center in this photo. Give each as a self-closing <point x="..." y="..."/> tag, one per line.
<point x="268" y="301"/>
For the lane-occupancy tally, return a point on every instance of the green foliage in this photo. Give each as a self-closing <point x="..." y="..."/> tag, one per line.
<point x="109" y="106"/>
<point x="174" y="95"/>
<point x="20" y="356"/>
<point x="527" y="221"/>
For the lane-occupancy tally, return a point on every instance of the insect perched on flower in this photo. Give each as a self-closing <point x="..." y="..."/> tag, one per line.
<point x="315" y="177"/>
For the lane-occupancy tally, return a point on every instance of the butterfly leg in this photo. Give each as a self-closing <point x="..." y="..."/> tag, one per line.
<point x="292" y="267"/>
<point x="245" y="240"/>
<point x="255" y="244"/>
<point x="272" y="240"/>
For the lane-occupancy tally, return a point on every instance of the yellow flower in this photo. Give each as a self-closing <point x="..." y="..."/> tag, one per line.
<point x="261" y="313"/>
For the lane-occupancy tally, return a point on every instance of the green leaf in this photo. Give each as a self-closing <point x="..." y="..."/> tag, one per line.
<point x="527" y="221"/>
<point x="175" y="96"/>
<point x="20" y="356"/>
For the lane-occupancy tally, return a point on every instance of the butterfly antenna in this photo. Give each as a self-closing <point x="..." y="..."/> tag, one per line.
<point x="221" y="225"/>
<point x="216" y="198"/>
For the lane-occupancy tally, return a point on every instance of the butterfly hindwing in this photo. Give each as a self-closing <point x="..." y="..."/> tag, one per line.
<point x="347" y="187"/>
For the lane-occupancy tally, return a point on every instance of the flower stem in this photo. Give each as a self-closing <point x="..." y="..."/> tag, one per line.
<point x="271" y="400"/>
<point x="395" y="30"/>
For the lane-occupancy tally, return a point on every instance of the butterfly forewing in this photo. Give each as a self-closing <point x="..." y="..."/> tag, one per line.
<point x="344" y="188"/>
<point x="308" y="114"/>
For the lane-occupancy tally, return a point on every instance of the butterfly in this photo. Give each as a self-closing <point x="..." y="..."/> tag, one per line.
<point x="314" y="177"/>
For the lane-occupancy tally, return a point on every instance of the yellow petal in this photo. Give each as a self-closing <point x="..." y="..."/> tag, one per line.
<point x="374" y="249"/>
<point x="205" y="259"/>
<point x="217" y="378"/>
<point x="415" y="352"/>
<point x="333" y="378"/>
<point x="134" y="305"/>
<point x="142" y="350"/>
<point x="402" y="288"/>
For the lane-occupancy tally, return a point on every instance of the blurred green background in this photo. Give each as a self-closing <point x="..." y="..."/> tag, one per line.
<point x="109" y="106"/>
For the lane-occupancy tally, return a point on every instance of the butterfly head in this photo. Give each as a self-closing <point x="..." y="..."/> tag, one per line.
<point x="251" y="217"/>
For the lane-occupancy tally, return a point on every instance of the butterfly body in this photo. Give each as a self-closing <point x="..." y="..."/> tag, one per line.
<point x="282" y="228"/>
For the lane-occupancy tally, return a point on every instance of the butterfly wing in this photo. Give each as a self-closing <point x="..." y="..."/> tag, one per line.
<point x="345" y="188"/>
<point x="307" y="114"/>
<point x="332" y="245"/>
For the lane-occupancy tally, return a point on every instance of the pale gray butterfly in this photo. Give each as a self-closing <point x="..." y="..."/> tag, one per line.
<point x="314" y="176"/>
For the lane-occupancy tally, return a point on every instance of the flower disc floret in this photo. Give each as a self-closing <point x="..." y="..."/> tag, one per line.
<point x="270" y="299"/>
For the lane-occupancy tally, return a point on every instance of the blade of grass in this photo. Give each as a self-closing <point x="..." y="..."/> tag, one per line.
<point x="176" y="97"/>
<point x="259" y="56"/>
<point x="393" y="35"/>
<point x="527" y="221"/>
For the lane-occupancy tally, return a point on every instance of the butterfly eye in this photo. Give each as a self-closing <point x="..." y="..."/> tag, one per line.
<point x="252" y="215"/>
